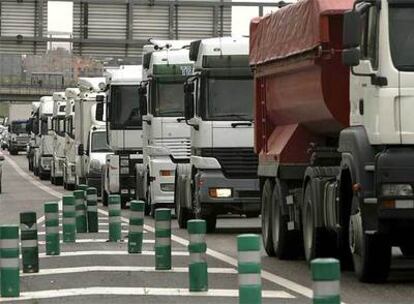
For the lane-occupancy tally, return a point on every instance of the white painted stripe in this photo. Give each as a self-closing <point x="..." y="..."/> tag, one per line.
<point x="197" y="257"/>
<point x="197" y="238"/>
<point x="24" y="227"/>
<point x="250" y="279"/>
<point x="136" y="228"/>
<point x="50" y="230"/>
<point x="80" y="213"/>
<point x="9" y="262"/>
<point x="249" y="256"/>
<point x="114" y="207"/>
<point x="100" y="231"/>
<point x="69" y="208"/>
<point x="163" y="225"/>
<point x="51" y="216"/>
<point x="105" y="252"/>
<point x="115" y="219"/>
<point x="137" y="291"/>
<point x="326" y="288"/>
<point x="136" y="214"/>
<point x="29" y="243"/>
<point x="69" y="221"/>
<point x="163" y="241"/>
<point x="92" y="208"/>
<point x="92" y="197"/>
<point x="79" y="201"/>
<point x="97" y="241"/>
<point x="9" y="243"/>
<point x="44" y="272"/>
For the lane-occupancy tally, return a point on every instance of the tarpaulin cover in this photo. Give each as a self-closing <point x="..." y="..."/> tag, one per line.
<point x="291" y="30"/>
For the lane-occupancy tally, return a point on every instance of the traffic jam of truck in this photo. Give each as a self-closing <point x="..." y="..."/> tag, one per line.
<point x="304" y="125"/>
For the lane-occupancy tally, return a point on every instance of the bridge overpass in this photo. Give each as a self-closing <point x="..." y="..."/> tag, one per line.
<point x="24" y="92"/>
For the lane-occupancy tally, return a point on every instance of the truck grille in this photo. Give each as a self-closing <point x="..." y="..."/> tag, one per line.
<point x="180" y="148"/>
<point x="235" y="162"/>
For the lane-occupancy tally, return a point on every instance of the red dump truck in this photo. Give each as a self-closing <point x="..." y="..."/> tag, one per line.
<point x="333" y="133"/>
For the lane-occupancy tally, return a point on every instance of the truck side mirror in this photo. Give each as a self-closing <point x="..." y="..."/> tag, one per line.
<point x="351" y="57"/>
<point x="99" y="111"/>
<point x="189" y="100"/>
<point x="81" y="150"/>
<point x="352" y="30"/>
<point x="142" y="99"/>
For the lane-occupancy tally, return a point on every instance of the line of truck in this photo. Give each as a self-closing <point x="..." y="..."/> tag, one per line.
<point x="313" y="134"/>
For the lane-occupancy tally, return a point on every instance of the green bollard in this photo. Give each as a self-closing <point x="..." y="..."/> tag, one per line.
<point x="28" y="238"/>
<point x="9" y="261"/>
<point x="136" y="223"/>
<point x="326" y="274"/>
<point x="114" y="208"/>
<point x="81" y="223"/>
<point x="163" y="239"/>
<point x="92" y="207"/>
<point x="69" y="219"/>
<point x="52" y="228"/>
<point x="82" y="187"/>
<point x="197" y="248"/>
<point x="249" y="268"/>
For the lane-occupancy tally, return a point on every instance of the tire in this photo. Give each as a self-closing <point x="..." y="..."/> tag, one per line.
<point x="371" y="253"/>
<point x="58" y="181"/>
<point x="407" y="250"/>
<point x="316" y="242"/>
<point x="180" y="211"/>
<point x="104" y="198"/>
<point x="70" y="187"/>
<point x="286" y="244"/>
<point x="13" y="152"/>
<point x="211" y="222"/>
<point x="252" y="214"/>
<point x="267" y="222"/>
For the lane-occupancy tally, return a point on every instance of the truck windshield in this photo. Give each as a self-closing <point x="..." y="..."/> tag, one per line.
<point x="402" y="36"/>
<point x="229" y="99"/>
<point x="18" y="127"/>
<point x="124" y="107"/>
<point x="169" y="99"/>
<point x="99" y="143"/>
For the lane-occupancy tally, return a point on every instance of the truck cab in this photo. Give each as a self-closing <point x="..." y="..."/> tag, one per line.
<point x="124" y="129"/>
<point x="222" y="174"/>
<point x="18" y="136"/>
<point x="90" y="134"/>
<point x="44" y="147"/>
<point x="69" y="168"/>
<point x="58" y="134"/>
<point x="166" y="135"/>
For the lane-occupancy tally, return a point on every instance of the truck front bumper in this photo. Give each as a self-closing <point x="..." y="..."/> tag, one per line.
<point x="58" y="166"/>
<point x="71" y="174"/>
<point x="244" y="193"/>
<point x="162" y="181"/>
<point x="45" y="163"/>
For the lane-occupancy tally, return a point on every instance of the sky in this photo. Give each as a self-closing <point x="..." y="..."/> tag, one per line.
<point x="60" y="16"/>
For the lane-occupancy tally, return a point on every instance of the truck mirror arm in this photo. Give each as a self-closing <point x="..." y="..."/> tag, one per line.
<point x="196" y="127"/>
<point x="375" y="79"/>
<point x="180" y="119"/>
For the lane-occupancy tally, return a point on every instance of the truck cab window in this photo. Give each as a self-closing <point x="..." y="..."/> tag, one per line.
<point x="169" y="99"/>
<point x="125" y="112"/>
<point x="369" y="38"/>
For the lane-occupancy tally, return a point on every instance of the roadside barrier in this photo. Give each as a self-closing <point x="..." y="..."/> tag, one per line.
<point x="69" y="219"/>
<point x="52" y="228"/>
<point x="81" y="222"/>
<point x="249" y="268"/>
<point x="29" y="244"/>
<point x="163" y="239"/>
<point x="197" y="248"/>
<point x="114" y="208"/>
<point x="326" y="276"/>
<point x="136" y="223"/>
<point x="9" y="261"/>
<point x="92" y="209"/>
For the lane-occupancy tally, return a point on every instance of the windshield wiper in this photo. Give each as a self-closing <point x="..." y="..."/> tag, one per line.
<point x="406" y="66"/>
<point x="180" y="113"/>
<point x="101" y="150"/>
<point x="240" y="116"/>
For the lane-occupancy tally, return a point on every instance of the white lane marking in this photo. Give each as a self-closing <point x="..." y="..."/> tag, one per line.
<point x="106" y="252"/>
<point x="137" y="291"/>
<point x="100" y="231"/>
<point x="288" y="284"/>
<point x="97" y="241"/>
<point x="50" y="271"/>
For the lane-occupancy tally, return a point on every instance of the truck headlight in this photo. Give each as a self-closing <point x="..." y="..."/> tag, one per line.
<point x="397" y="190"/>
<point x="167" y="187"/>
<point x="124" y="170"/>
<point x="124" y="162"/>
<point x="220" y="192"/>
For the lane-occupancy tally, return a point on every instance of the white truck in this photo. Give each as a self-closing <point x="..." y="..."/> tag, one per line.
<point x="90" y="134"/>
<point x="124" y="129"/>
<point x="18" y="135"/>
<point x="166" y="135"/>
<point x="33" y="128"/>
<point x="69" y="168"/>
<point x="44" y="140"/>
<point x="222" y="174"/>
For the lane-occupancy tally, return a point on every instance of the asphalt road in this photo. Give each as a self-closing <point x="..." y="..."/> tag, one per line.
<point x="96" y="271"/>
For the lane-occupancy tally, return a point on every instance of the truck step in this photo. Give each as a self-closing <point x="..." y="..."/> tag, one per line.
<point x="370" y="168"/>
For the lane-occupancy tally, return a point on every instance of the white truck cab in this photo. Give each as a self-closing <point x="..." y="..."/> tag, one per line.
<point x="69" y="147"/>
<point x="222" y="174"/>
<point x="44" y="147"/>
<point x="58" y="134"/>
<point x="33" y="127"/>
<point x="124" y="127"/>
<point x="166" y="135"/>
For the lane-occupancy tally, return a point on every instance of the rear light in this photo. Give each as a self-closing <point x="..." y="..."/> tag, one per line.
<point x="220" y="192"/>
<point x="166" y="173"/>
<point x="398" y="204"/>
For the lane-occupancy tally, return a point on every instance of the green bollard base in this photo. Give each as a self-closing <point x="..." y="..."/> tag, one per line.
<point x="250" y="294"/>
<point x="198" y="276"/>
<point x="135" y="242"/>
<point x="69" y="233"/>
<point x="93" y="222"/>
<point x="81" y="225"/>
<point x="52" y="244"/>
<point x="327" y="300"/>
<point x="115" y="233"/>
<point x="162" y="257"/>
<point x="30" y="257"/>
<point x="10" y="282"/>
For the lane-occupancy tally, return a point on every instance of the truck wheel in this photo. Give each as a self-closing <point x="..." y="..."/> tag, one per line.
<point x="371" y="253"/>
<point x="252" y="214"/>
<point x="267" y="222"/>
<point x="13" y="152"/>
<point x="104" y="198"/>
<point x="286" y="243"/>
<point x="315" y="240"/>
<point x="407" y="250"/>
<point x="211" y="221"/>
